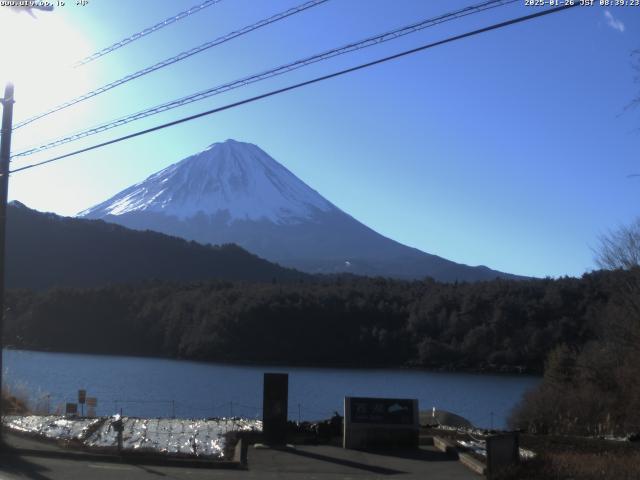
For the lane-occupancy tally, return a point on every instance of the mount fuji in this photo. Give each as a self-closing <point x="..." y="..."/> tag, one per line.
<point x="234" y="192"/>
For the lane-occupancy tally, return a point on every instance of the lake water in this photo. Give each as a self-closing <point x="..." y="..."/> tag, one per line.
<point x="155" y="387"/>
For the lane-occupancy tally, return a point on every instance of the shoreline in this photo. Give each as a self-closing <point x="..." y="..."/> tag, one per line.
<point x="503" y="370"/>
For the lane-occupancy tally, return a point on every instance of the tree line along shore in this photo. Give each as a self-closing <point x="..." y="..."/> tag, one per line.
<point x="497" y="325"/>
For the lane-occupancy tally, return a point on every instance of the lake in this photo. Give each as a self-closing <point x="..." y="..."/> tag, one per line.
<point x="153" y="387"/>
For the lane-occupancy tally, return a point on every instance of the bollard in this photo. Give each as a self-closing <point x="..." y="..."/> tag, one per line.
<point x="118" y="426"/>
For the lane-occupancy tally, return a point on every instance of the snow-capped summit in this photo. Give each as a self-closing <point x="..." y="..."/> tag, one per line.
<point x="235" y="179"/>
<point x="233" y="192"/>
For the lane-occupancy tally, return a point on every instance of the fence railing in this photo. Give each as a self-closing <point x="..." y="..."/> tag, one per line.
<point x="171" y="408"/>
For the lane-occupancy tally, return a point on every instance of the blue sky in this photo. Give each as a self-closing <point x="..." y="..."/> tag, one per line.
<point x="511" y="149"/>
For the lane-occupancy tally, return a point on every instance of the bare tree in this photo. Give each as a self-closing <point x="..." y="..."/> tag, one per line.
<point x="620" y="248"/>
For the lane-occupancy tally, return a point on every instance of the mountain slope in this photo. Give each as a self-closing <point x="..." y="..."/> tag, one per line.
<point x="232" y="177"/>
<point x="234" y="192"/>
<point x="45" y="250"/>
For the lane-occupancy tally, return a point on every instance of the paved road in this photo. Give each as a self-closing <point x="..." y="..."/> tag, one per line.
<point x="312" y="462"/>
<point x="324" y="462"/>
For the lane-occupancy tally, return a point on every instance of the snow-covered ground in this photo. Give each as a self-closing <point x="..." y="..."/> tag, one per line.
<point x="53" y="427"/>
<point x="201" y="438"/>
<point x="480" y="448"/>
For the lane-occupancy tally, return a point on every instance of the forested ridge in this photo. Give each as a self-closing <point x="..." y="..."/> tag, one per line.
<point x="500" y="325"/>
<point x="45" y="250"/>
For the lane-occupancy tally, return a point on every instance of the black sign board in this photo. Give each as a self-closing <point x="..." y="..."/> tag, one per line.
<point x="82" y="395"/>
<point x="503" y="451"/>
<point x="71" y="409"/>
<point x="274" y="408"/>
<point x="385" y="411"/>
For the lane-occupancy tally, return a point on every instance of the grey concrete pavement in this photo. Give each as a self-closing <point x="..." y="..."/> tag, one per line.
<point x="325" y="462"/>
<point x="304" y="462"/>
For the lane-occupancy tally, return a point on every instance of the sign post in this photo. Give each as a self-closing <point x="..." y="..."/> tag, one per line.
<point x="82" y="396"/>
<point x="71" y="409"/>
<point x="92" y="403"/>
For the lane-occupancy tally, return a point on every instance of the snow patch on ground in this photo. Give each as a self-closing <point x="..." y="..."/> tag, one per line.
<point x="51" y="426"/>
<point x="200" y="438"/>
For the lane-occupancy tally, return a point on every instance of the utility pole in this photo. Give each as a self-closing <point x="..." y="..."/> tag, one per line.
<point x="5" y="157"/>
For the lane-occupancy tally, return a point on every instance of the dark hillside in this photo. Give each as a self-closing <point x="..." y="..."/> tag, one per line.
<point x="45" y="250"/>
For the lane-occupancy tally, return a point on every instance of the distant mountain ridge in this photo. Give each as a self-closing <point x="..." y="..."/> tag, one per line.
<point x="46" y="250"/>
<point x="234" y="192"/>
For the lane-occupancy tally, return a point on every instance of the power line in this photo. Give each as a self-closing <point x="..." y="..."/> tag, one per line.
<point x="261" y="76"/>
<point x="305" y="83"/>
<point x="368" y="42"/>
<point x="145" y="32"/>
<point x="170" y="61"/>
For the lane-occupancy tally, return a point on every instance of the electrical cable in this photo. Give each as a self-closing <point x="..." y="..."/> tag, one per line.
<point x="370" y="41"/>
<point x="171" y="60"/>
<point x="305" y="83"/>
<point x="145" y="32"/>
